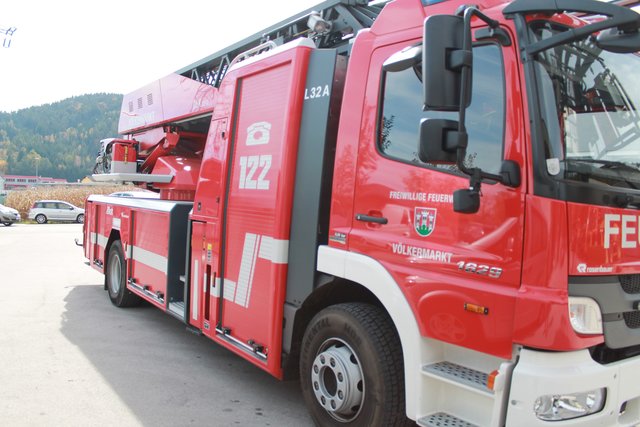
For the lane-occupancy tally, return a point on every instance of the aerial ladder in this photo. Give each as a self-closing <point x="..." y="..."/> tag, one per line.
<point x="155" y="136"/>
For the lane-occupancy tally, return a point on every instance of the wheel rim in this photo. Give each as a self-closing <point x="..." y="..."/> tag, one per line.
<point x="40" y="219"/>
<point x="115" y="274"/>
<point x="337" y="380"/>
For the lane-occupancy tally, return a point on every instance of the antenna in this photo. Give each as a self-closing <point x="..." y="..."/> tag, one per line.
<point x="7" y="32"/>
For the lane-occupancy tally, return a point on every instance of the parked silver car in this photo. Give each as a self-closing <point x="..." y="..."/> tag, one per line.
<point x="55" y="210"/>
<point x="8" y="215"/>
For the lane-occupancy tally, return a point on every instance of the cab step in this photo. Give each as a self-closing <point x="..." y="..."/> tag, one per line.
<point x="177" y="308"/>
<point x="442" y="419"/>
<point x="458" y="374"/>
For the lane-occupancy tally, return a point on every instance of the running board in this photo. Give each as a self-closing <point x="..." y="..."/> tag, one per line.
<point x="157" y="297"/>
<point x="176" y="308"/>
<point x="443" y="420"/>
<point x="249" y="348"/>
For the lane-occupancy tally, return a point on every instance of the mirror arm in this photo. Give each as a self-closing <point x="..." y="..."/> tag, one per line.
<point x="464" y="59"/>
<point x="467" y="200"/>
<point x="475" y="179"/>
<point x="473" y="11"/>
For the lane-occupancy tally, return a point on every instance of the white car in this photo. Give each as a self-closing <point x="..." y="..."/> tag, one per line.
<point x="55" y="210"/>
<point x="8" y="215"/>
<point x="141" y="194"/>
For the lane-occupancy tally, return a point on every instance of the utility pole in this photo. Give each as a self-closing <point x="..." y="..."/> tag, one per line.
<point x="8" y="33"/>
<point x="37" y="176"/>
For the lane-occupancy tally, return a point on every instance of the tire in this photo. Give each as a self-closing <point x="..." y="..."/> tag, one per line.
<point x="351" y="368"/>
<point x="7" y="223"/>
<point x="80" y="219"/>
<point x="41" y="219"/>
<point x="116" y="278"/>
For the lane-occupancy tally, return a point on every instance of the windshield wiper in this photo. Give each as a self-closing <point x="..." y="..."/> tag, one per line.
<point x="610" y="172"/>
<point x="609" y="164"/>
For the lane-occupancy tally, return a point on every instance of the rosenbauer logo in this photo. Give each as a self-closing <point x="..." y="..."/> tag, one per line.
<point x="584" y="268"/>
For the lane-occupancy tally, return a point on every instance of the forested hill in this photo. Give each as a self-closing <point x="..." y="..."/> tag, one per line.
<point x="62" y="138"/>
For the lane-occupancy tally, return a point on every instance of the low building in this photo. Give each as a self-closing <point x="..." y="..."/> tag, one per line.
<point x="21" y="182"/>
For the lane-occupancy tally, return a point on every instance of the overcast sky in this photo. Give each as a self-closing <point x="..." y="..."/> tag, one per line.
<point x="64" y="48"/>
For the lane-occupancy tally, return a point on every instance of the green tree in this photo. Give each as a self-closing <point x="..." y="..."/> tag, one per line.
<point x="64" y="136"/>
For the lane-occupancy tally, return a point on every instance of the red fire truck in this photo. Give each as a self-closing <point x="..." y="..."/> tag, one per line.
<point x="426" y="210"/>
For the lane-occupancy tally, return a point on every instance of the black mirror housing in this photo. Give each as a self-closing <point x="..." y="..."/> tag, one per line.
<point x="616" y="41"/>
<point x="510" y="173"/>
<point x="466" y="201"/>
<point x="442" y="76"/>
<point x="440" y="141"/>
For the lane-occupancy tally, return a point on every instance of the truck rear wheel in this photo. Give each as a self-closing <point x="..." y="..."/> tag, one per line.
<point x="351" y="368"/>
<point x="116" y="279"/>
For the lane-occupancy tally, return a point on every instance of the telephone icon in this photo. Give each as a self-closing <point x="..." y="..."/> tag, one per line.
<point x="258" y="133"/>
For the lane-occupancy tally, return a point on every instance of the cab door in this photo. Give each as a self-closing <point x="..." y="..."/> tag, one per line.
<point x="445" y="262"/>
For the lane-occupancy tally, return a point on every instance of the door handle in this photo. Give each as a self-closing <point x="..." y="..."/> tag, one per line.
<point x="369" y="218"/>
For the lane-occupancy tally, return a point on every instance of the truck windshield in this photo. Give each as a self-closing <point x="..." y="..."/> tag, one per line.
<point x="589" y="107"/>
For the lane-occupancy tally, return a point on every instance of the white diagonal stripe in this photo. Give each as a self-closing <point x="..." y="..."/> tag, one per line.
<point x="247" y="264"/>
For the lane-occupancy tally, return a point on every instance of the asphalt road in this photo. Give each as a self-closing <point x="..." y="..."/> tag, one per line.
<point x="70" y="358"/>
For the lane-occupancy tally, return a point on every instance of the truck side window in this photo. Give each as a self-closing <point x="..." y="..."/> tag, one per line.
<point x="402" y="112"/>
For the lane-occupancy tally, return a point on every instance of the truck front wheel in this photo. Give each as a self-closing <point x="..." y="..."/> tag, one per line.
<point x="116" y="279"/>
<point x="351" y="368"/>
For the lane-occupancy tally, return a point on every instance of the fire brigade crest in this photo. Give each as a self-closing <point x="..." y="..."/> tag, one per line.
<point x="424" y="221"/>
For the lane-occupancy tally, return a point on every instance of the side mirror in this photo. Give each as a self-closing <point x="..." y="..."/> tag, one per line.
<point x="440" y="140"/>
<point x="616" y="41"/>
<point x="510" y="173"/>
<point x="443" y="59"/>
<point x="466" y="201"/>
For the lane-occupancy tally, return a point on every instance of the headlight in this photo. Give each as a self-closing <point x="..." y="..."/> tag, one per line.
<point x="585" y="315"/>
<point x="567" y="406"/>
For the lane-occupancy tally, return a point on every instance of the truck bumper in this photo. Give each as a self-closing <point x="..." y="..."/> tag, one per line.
<point x="545" y="373"/>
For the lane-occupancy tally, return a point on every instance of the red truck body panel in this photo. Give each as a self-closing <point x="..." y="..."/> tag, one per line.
<point x="169" y="99"/>
<point x="243" y="246"/>
<point x="606" y="242"/>
<point x="268" y="102"/>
